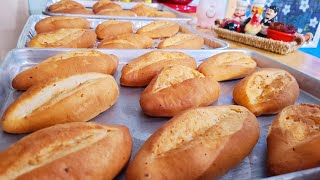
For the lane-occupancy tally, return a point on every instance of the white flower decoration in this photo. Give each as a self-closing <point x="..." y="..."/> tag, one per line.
<point x="314" y="22"/>
<point x="269" y="2"/>
<point x="304" y="5"/>
<point x="300" y="30"/>
<point x="286" y="9"/>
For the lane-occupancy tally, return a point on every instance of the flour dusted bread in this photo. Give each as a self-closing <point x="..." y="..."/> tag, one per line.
<point x="266" y="91"/>
<point x="182" y="41"/>
<point x="105" y="4"/>
<point x="67" y="99"/>
<point x="160" y="29"/>
<point x="228" y="66"/>
<point x="127" y="41"/>
<point x="69" y="6"/>
<point x="108" y="12"/>
<point x="64" y="38"/>
<point x="177" y="88"/>
<point x="200" y="143"/>
<point x="69" y="63"/>
<point x="58" y="22"/>
<point x="68" y="151"/>
<point x="141" y="70"/>
<point x="294" y="139"/>
<point x="113" y="28"/>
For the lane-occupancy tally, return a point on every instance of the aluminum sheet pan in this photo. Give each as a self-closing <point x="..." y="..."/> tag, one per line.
<point x="125" y="6"/>
<point x="127" y="109"/>
<point x="29" y="32"/>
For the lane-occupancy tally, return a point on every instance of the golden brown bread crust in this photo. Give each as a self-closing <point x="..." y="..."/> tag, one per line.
<point x="68" y="151"/>
<point x="64" y="38"/>
<point x="266" y="91"/>
<point x="200" y="143"/>
<point x="127" y="41"/>
<point x="70" y="7"/>
<point x="160" y="29"/>
<point x="108" y="12"/>
<point x="163" y="14"/>
<point x="112" y="28"/>
<point x="105" y="4"/>
<point x="294" y="139"/>
<point x="58" y="22"/>
<point x="177" y="88"/>
<point x="141" y="70"/>
<point x="66" y="64"/>
<point x="228" y="66"/>
<point x="145" y="10"/>
<point x="73" y="98"/>
<point x="182" y="41"/>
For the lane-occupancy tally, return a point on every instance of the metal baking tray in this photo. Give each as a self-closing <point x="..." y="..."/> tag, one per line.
<point x="126" y="6"/>
<point x="127" y="110"/>
<point x="29" y="32"/>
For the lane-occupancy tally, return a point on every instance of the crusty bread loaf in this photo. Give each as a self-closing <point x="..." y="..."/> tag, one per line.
<point x="66" y="64"/>
<point x="294" y="139"/>
<point x="73" y="98"/>
<point x="65" y="38"/>
<point x="266" y="91"/>
<point x="70" y="7"/>
<point x="177" y="88"/>
<point x="58" y="22"/>
<point x="141" y="70"/>
<point x="109" y="12"/>
<point x="127" y="41"/>
<point x="105" y="4"/>
<point x="182" y="41"/>
<point x="112" y="28"/>
<point x="160" y="29"/>
<point x="201" y="143"/>
<point x="143" y="9"/>
<point x="163" y="14"/>
<point x="68" y="151"/>
<point x="228" y="66"/>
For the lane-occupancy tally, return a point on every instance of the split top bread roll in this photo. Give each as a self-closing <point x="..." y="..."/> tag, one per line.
<point x="65" y="38"/>
<point x="127" y="41"/>
<point x="160" y="29"/>
<point x="73" y="98"/>
<point x="141" y="70"/>
<point x="68" y="151"/>
<point x="182" y="41"/>
<point x="177" y="88"/>
<point x="68" y="6"/>
<point x="266" y="91"/>
<point x="294" y="139"/>
<point x="109" y="12"/>
<point x="145" y="10"/>
<point x="201" y="143"/>
<point x="69" y="63"/>
<point x="113" y="28"/>
<point x="58" y="22"/>
<point x="105" y="4"/>
<point x="228" y="66"/>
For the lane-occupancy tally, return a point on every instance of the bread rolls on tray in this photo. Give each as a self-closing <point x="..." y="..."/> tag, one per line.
<point x="64" y="38"/>
<point x="201" y="143"/>
<point x="294" y="139"/>
<point x="113" y="28"/>
<point x="69" y="63"/>
<point x="105" y="4"/>
<point x="68" y="151"/>
<point x="160" y="29"/>
<point x="58" y="22"/>
<point x="70" y="7"/>
<point x="182" y="41"/>
<point x="177" y="88"/>
<point x="163" y="14"/>
<point x="108" y="12"/>
<point x="141" y="70"/>
<point x="127" y="41"/>
<point x="143" y="10"/>
<point x="266" y="91"/>
<point x="73" y="98"/>
<point x="228" y="66"/>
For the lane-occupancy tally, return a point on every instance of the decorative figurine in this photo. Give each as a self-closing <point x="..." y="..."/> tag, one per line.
<point x="239" y="14"/>
<point x="231" y="25"/>
<point x="258" y="6"/>
<point x="271" y="15"/>
<point x="253" y="27"/>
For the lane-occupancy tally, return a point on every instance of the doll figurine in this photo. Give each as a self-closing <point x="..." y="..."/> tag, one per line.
<point x="270" y="16"/>
<point x="239" y="14"/>
<point x="257" y="6"/>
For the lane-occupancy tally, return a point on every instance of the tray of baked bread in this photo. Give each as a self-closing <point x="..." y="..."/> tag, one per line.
<point x="129" y="96"/>
<point x="114" y="10"/>
<point x="75" y="32"/>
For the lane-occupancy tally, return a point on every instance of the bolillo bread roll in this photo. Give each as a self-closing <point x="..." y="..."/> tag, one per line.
<point x="141" y="70"/>
<point x="182" y="41"/>
<point x="73" y="98"/>
<point x="70" y="7"/>
<point x="105" y="4"/>
<point x="294" y="139"/>
<point x="64" y="38"/>
<point x="109" y="12"/>
<point x="66" y="64"/>
<point x="160" y="29"/>
<point x="266" y="91"/>
<point x="143" y="10"/>
<point x="68" y="151"/>
<point x="58" y="22"/>
<point x="112" y="28"/>
<point x="228" y="66"/>
<point x="200" y="143"/>
<point x="127" y="41"/>
<point x="162" y="14"/>
<point x="177" y="88"/>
